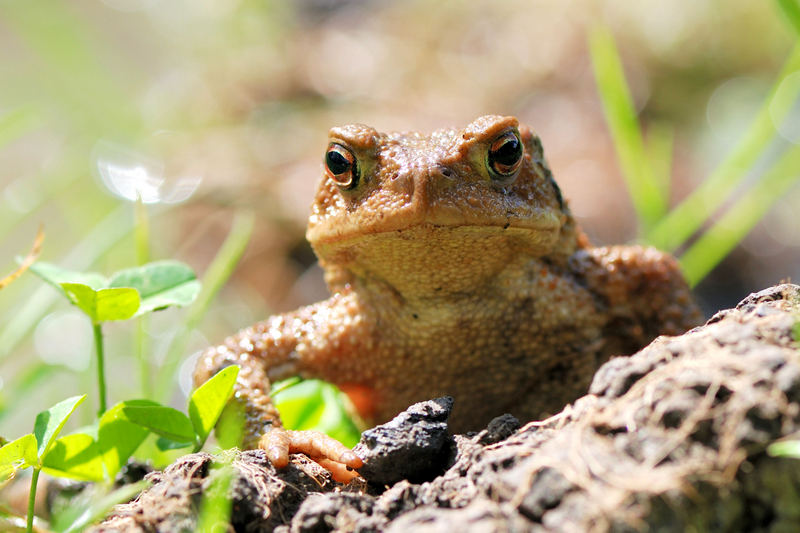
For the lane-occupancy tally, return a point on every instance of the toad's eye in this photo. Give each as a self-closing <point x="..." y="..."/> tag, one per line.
<point x="505" y="155"/>
<point x="341" y="166"/>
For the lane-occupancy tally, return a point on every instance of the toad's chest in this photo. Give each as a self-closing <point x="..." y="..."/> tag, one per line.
<point x="515" y="325"/>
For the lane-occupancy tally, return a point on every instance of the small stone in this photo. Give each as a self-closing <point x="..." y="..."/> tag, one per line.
<point x="499" y="429"/>
<point x="410" y="446"/>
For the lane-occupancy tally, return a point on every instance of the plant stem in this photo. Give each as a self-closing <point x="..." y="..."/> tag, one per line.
<point x="32" y="498"/>
<point x="101" y="378"/>
<point x="142" y="349"/>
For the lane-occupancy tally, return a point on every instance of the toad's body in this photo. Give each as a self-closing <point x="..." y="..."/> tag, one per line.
<point x="457" y="269"/>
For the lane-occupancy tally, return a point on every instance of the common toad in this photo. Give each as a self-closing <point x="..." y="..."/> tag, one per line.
<point x="456" y="268"/>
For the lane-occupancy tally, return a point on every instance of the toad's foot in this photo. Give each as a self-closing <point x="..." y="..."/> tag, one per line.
<point x="326" y="451"/>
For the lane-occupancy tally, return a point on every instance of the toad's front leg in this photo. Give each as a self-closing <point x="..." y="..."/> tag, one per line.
<point x="644" y="292"/>
<point x="307" y="342"/>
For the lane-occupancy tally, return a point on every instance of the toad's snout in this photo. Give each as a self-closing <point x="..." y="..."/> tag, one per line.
<point x="432" y="186"/>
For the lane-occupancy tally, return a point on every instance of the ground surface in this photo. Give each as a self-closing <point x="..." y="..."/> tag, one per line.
<point x="672" y="438"/>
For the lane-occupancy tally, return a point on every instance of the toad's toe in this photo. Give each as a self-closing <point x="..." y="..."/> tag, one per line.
<point x="319" y="447"/>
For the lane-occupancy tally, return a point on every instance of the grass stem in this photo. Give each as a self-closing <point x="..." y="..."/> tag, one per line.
<point x="142" y="349"/>
<point x="101" y="378"/>
<point x="645" y="188"/>
<point x="32" y="499"/>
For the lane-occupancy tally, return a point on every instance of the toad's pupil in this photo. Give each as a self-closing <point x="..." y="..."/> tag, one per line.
<point x="508" y="152"/>
<point x="337" y="163"/>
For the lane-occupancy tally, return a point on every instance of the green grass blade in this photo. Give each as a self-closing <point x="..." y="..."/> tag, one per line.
<point x="737" y="222"/>
<point x="683" y="221"/>
<point x="791" y="11"/>
<point x="217" y="274"/>
<point x="643" y="186"/>
<point x="659" y="147"/>
<point x="785" y="448"/>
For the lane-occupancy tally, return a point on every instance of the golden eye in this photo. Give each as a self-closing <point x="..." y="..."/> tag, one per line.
<point x="505" y="155"/>
<point x="341" y="166"/>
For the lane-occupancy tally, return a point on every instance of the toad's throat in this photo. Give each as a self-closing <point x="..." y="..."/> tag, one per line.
<point x="428" y="260"/>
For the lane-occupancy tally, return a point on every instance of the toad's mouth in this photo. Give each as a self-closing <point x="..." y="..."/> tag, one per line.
<point x="540" y="228"/>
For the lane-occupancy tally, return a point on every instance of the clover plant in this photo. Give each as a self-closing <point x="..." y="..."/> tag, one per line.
<point x="127" y="294"/>
<point x="119" y="431"/>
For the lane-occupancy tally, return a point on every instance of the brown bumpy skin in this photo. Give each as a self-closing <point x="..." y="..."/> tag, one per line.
<point x="449" y="277"/>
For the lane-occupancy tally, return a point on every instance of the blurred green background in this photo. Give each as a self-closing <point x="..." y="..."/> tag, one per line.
<point x="211" y="108"/>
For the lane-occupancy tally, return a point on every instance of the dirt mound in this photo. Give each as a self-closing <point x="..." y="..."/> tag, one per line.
<point x="673" y="437"/>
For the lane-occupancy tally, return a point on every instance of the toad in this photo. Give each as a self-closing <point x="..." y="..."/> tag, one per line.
<point x="456" y="268"/>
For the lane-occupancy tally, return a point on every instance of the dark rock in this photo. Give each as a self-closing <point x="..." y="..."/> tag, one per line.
<point x="499" y="429"/>
<point x="410" y="446"/>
